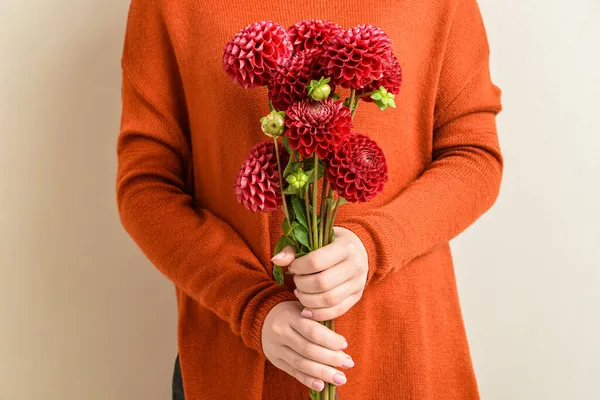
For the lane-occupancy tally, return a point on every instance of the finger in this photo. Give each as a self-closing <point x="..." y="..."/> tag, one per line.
<point x="312" y="368"/>
<point x="284" y="257"/>
<point x="321" y="259"/>
<point x="330" y="298"/>
<point x="310" y="381"/>
<point x="326" y="280"/>
<point x="317" y="353"/>
<point x="329" y="313"/>
<point x="319" y="334"/>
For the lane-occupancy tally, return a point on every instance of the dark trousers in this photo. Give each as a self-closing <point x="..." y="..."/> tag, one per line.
<point x="177" y="382"/>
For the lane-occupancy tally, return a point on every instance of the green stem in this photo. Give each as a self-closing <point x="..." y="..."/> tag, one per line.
<point x="332" y="220"/>
<point x="332" y="387"/>
<point x="326" y="392"/>
<point x="308" y="220"/>
<point x="315" y="201"/>
<point x="323" y="214"/>
<point x="327" y="217"/>
<point x="284" y="205"/>
<point x="352" y="105"/>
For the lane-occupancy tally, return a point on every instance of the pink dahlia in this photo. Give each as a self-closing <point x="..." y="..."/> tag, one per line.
<point x="257" y="183"/>
<point x="358" y="56"/>
<point x="251" y="57"/>
<point x="391" y="80"/>
<point x="291" y="79"/>
<point x="309" y="35"/>
<point x="317" y="126"/>
<point x="357" y="169"/>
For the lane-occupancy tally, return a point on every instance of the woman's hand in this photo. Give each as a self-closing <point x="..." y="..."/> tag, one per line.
<point x="303" y="348"/>
<point x="330" y="280"/>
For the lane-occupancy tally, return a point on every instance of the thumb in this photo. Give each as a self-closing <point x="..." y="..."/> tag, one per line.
<point x="284" y="257"/>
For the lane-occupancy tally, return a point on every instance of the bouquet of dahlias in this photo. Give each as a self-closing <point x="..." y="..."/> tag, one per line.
<point x="312" y="146"/>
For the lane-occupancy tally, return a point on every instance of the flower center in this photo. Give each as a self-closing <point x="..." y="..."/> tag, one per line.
<point x="365" y="157"/>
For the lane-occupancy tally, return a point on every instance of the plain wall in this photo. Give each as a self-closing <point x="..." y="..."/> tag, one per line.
<point x="83" y="315"/>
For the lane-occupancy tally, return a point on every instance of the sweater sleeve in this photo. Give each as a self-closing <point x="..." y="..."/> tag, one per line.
<point x="463" y="179"/>
<point x="200" y="253"/>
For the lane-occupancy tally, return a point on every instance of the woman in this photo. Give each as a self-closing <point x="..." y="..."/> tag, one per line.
<point x="185" y="131"/>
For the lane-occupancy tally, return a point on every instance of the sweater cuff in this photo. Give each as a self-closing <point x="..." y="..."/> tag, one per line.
<point x="261" y="314"/>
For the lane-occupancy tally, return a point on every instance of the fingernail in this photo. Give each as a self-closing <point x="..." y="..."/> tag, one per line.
<point x="278" y="256"/>
<point x="345" y="346"/>
<point x="348" y="363"/>
<point x="339" y="379"/>
<point x="306" y="313"/>
<point x="318" y="385"/>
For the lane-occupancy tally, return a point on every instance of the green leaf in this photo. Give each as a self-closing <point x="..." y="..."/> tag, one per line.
<point x="335" y="96"/>
<point x="278" y="274"/>
<point x="301" y="235"/>
<point x="292" y="228"/>
<point x="286" y="144"/>
<point x="376" y="96"/>
<point x="341" y="201"/>
<point x="300" y="254"/>
<point x="281" y="243"/>
<point x="311" y="173"/>
<point x="308" y="163"/>
<point x="392" y="103"/>
<point x="285" y="226"/>
<point x="291" y="190"/>
<point x="299" y="210"/>
<point x="291" y="168"/>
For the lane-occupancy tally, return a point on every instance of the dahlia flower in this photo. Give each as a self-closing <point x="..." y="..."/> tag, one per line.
<point x="253" y="55"/>
<point x="257" y="184"/>
<point x="358" y="56"/>
<point x="357" y="169"/>
<point x="317" y="126"/>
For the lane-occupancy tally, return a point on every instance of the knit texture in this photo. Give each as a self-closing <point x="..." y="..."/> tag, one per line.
<point x="186" y="129"/>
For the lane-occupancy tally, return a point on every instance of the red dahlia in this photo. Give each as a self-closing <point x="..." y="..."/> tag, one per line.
<point x="317" y="126"/>
<point x="290" y="81"/>
<point x="257" y="183"/>
<point x="358" y="56"/>
<point x="308" y="35"/>
<point x="251" y="57"/>
<point x="357" y="169"/>
<point x="391" y="80"/>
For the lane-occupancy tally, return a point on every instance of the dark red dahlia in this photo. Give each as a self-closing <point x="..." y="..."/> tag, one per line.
<point x="257" y="183"/>
<point x="391" y="81"/>
<point x="252" y="56"/>
<point x="358" y="56"/>
<point x="317" y="126"/>
<point x="291" y="79"/>
<point x="309" y="35"/>
<point x="357" y="169"/>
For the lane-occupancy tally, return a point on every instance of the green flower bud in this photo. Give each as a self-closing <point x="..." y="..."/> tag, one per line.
<point x="321" y="92"/>
<point x="297" y="179"/>
<point x="273" y="124"/>
<point x="383" y="98"/>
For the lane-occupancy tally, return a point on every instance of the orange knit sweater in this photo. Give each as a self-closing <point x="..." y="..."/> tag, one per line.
<point x="186" y="129"/>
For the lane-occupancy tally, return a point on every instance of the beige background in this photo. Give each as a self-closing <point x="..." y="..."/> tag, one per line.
<point x="84" y="316"/>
